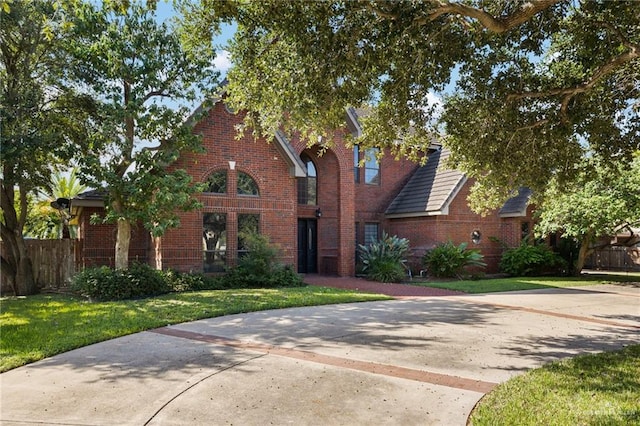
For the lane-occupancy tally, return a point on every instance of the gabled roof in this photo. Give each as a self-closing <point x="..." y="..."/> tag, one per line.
<point x="516" y="206"/>
<point x="296" y="167"/>
<point x="429" y="191"/>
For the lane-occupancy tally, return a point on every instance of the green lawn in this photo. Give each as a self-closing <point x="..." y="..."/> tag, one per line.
<point x="600" y="389"/>
<point x="35" y="327"/>
<point x="530" y="283"/>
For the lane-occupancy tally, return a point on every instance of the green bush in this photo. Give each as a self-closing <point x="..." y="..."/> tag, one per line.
<point x="447" y="260"/>
<point x="259" y="267"/>
<point x="384" y="259"/>
<point x="181" y="281"/>
<point x="104" y="283"/>
<point x="531" y="260"/>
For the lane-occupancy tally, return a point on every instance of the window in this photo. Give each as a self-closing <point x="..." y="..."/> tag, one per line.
<point x="524" y="230"/>
<point x="356" y="163"/>
<point x="308" y="186"/>
<point x="217" y="182"/>
<point x="214" y="241"/>
<point x="371" y="233"/>
<point x="246" y="185"/>
<point x="247" y="224"/>
<point x="371" y="167"/>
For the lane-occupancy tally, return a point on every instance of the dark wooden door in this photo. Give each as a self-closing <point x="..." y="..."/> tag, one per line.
<point x="307" y="246"/>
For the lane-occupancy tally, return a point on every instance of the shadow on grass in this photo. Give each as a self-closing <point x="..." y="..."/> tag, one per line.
<point x="491" y="285"/>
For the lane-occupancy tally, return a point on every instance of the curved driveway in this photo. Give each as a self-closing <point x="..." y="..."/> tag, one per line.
<point x="409" y="361"/>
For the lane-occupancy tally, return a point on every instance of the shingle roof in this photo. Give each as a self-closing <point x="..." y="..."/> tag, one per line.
<point x="90" y="198"/>
<point x="516" y="206"/>
<point x="429" y="191"/>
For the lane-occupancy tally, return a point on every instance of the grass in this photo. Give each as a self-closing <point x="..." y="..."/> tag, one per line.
<point x="600" y="389"/>
<point x="529" y="283"/>
<point x="36" y="327"/>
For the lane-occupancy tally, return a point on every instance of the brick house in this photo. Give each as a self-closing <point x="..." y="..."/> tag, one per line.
<point x="316" y="206"/>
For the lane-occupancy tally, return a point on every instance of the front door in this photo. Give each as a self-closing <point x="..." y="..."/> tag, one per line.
<point x="307" y="246"/>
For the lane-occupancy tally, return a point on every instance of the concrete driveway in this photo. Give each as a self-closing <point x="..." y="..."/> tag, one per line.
<point x="411" y="361"/>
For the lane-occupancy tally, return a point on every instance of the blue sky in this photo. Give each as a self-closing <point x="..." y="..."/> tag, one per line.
<point x="222" y="61"/>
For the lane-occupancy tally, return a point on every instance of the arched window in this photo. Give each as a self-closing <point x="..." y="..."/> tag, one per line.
<point x="246" y="185"/>
<point x="308" y="186"/>
<point x="217" y="182"/>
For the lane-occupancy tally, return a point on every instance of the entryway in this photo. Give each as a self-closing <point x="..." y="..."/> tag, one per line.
<point x="307" y="246"/>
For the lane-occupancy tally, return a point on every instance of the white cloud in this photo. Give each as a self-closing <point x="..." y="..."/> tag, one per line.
<point x="222" y="61"/>
<point x="435" y="100"/>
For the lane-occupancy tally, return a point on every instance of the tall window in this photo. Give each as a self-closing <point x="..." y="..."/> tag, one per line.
<point x="214" y="241"/>
<point x="524" y="230"/>
<point x="371" y="167"/>
<point x="371" y="233"/>
<point x="217" y="182"/>
<point x="308" y="186"/>
<point x="356" y="163"/>
<point x="246" y="185"/>
<point x="247" y="224"/>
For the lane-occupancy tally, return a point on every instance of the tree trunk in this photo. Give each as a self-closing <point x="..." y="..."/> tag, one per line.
<point x="156" y="255"/>
<point x="16" y="262"/>
<point x="583" y="253"/>
<point x="123" y="240"/>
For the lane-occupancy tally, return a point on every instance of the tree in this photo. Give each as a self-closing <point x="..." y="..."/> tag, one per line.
<point x="537" y="82"/>
<point x="600" y="203"/>
<point x="39" y="118"/>
<point x="144" y="84"/>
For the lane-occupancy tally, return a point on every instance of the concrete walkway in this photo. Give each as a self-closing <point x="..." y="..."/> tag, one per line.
<point x="419" y="360"/>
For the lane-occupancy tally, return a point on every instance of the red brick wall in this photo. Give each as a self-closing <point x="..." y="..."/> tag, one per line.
<point x="345" y="205"/>
<point x="336" y="199"/>
<point x="98" y="242"/>
<point x="276" y="204"/>
<point x="457" y="226"/>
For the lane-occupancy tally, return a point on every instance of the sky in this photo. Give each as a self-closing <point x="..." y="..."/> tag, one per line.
<point x="222" y="62"/>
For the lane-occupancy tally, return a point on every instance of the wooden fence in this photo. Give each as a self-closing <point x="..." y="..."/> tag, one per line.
<point x="54" y="262"/>
<point x="615" y="259"/>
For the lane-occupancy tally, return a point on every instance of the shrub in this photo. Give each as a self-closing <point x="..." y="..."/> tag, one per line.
<point x="180" y="281"/>
<point x="104" y="283"/>
<point x="259" y="267"/>
<point x="448" y="260"/>
<point x="528" y="259"/>
<point x="384" y="259"/>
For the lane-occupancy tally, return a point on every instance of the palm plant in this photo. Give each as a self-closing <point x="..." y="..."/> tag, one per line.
<point x="45" y="222"/>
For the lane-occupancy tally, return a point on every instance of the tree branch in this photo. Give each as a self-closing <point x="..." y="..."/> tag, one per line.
<point x="569" y="93"/>
<point x="375" y="7"/>
<point x="488" y="21"/>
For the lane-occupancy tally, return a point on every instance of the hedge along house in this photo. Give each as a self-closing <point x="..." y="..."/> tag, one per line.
<point x="316" y="203"/>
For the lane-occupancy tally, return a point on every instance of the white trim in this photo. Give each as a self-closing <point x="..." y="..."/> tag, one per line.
<point x="521" y="213"/>
<point x="353" y="119"/>
<point x="296" y="168"/>
<point x="453" y="194"/>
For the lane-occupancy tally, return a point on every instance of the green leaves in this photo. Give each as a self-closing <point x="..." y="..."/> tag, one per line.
<point x="528" y="87"/>
<point x="144" y="84"/>
<point x="448" y="260"/>
<point x="384" y="259"/>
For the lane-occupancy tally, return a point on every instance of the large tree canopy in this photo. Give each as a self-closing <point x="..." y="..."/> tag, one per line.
<point x="40" y="117"/>
<point x="529" y="86"/>
<point x="144" y="85"/>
